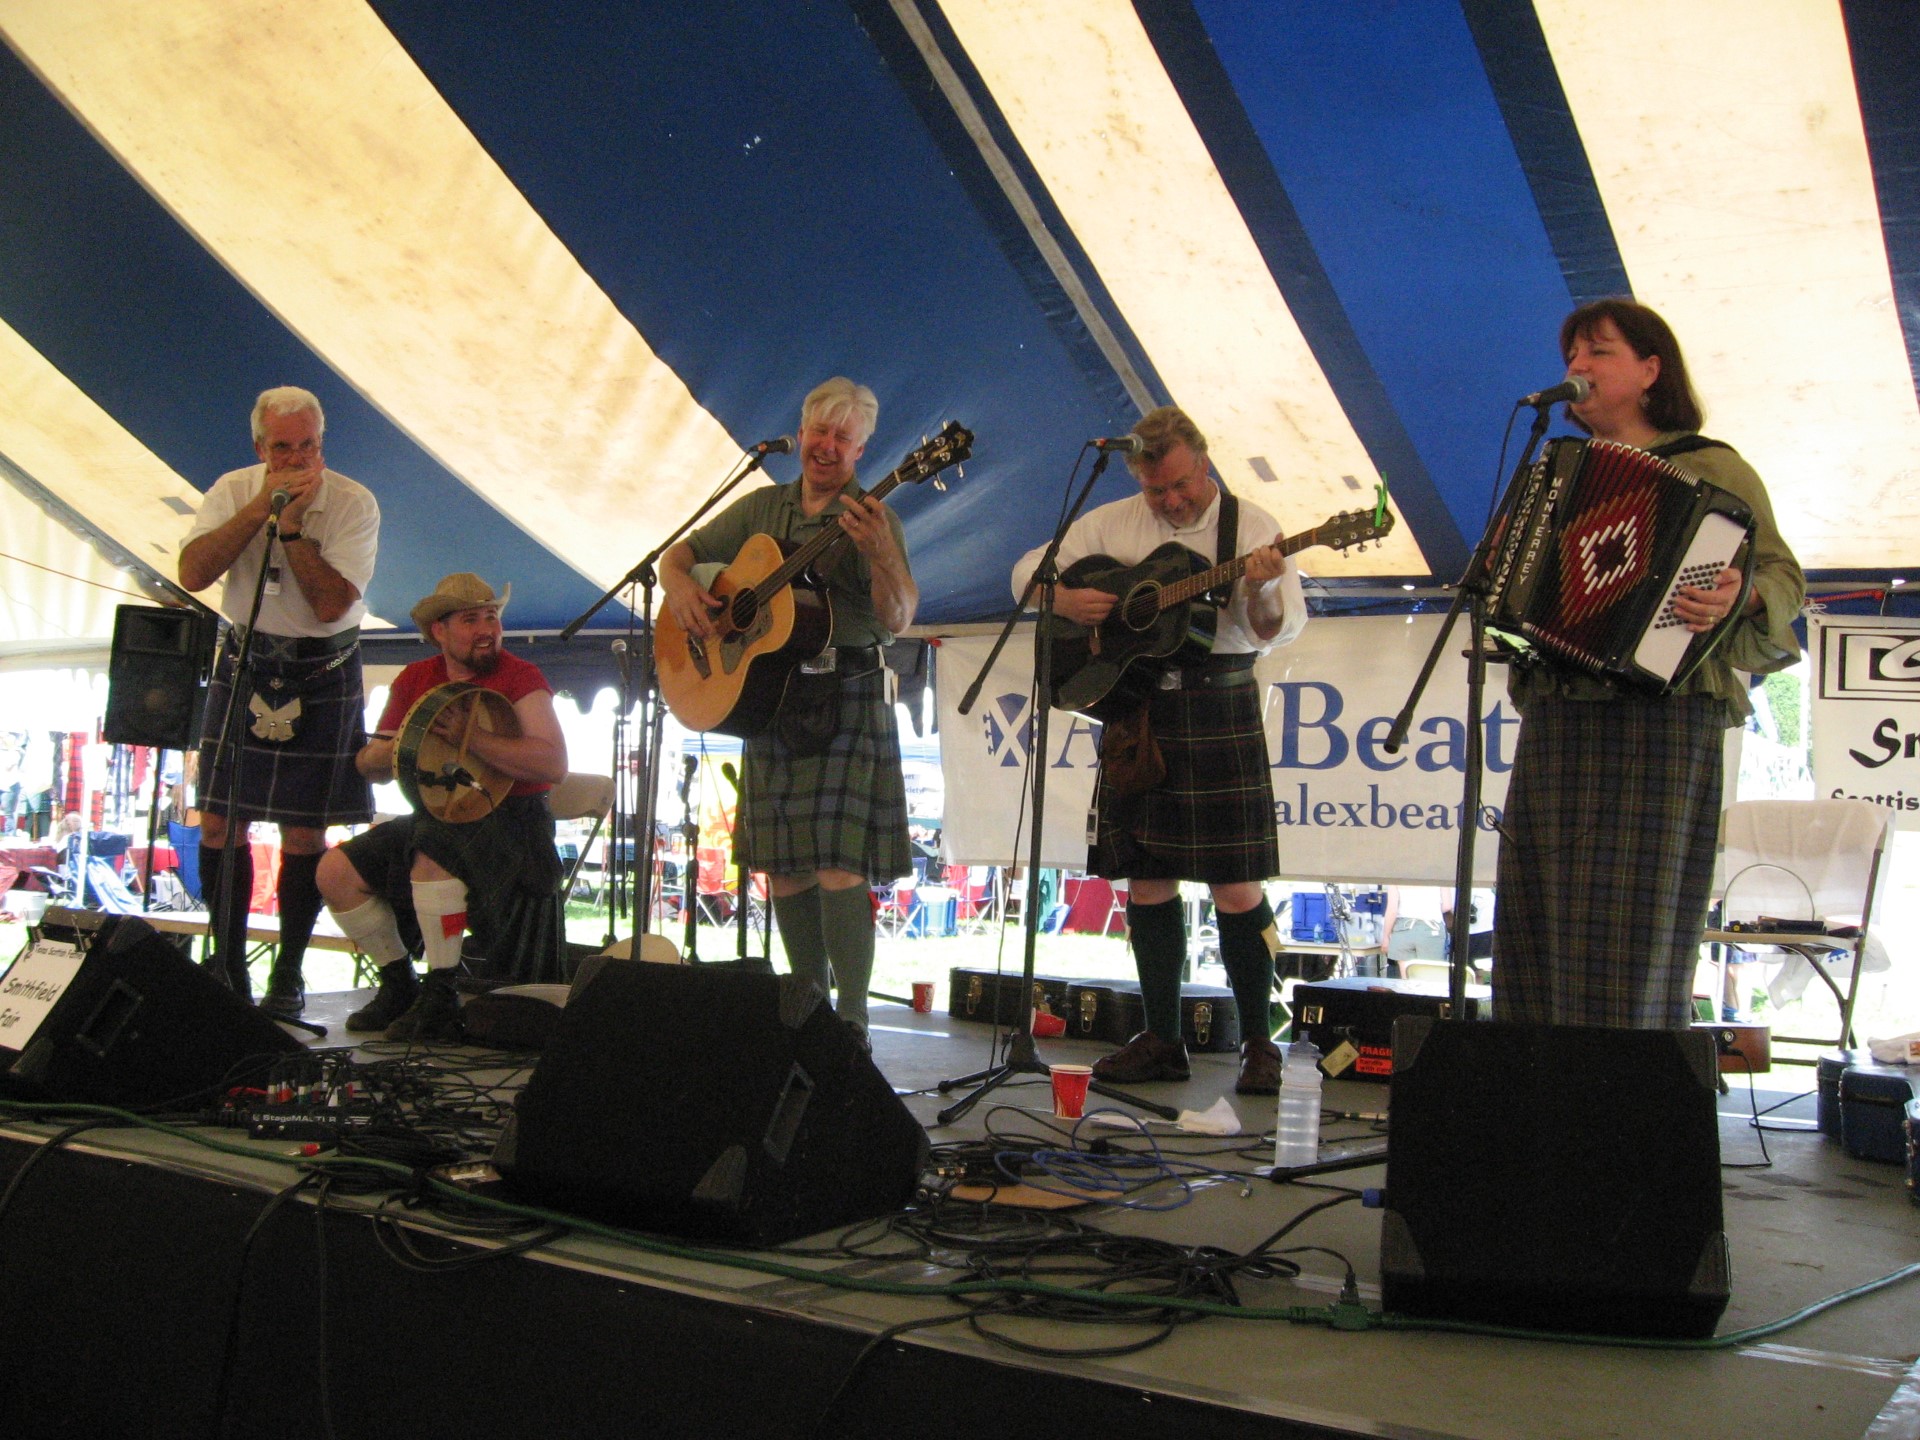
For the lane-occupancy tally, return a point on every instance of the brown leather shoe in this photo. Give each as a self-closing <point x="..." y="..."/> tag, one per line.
<point x="1259" y="1068"/>
<point x="1143" y="1058"/>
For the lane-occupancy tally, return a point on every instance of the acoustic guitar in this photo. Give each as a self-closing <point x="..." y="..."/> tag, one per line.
<point x="1108" y="670"/>
<point x="773" y="616"/>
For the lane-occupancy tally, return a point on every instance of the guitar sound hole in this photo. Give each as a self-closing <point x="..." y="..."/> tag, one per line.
<point x="1141" y="607"/>
<point x="745" y="606"/>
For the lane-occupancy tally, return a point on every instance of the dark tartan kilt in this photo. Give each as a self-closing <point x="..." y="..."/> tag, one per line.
<point x="1606" y="861"/>
<point x="512" y="872"/>
<point x="1211" y="818"/>
<point x="845" y="809"/>
<point x="309" y="780"/>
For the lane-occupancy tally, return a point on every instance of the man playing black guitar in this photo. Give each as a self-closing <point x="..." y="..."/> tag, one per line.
<point x="824" y="803"/>
<point x="1193" y="797"/>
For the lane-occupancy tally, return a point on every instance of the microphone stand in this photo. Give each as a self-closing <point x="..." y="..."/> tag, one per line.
<point x="231" y="742"/>
<point x="1022" y="1054"/>
<point x="1470" y="596"/>
<point x="646" y="576"/>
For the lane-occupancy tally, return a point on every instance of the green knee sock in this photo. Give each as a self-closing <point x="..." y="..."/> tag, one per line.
<point x="799" y="920"/>
<point x="1159" y="955"/>
<point x="1246" y="950"/>
<point x="846" y="918"/>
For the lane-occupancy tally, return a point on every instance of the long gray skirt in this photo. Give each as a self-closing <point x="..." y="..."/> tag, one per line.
<point x="1606" y="861"/>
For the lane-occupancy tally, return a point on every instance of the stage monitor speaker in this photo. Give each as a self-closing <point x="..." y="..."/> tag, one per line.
<point x="711" y="1105"/>
<point x="1554" y="1177"/>
<point x="156" y="676"/>
<point x="120" y="1017"/>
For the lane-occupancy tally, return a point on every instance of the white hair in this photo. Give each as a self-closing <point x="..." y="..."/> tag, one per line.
<point x="287" y="400"/>
<point x="839" y="398"/>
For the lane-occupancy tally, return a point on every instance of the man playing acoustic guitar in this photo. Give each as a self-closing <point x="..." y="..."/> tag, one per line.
<point x="824" y="803"/>
<point x="1208" y="814"/>
<point x="424" y="879"/>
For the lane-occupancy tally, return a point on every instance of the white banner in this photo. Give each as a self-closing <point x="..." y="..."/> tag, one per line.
<point x="1866" y="712"/>
<point x="1347" y="810"/>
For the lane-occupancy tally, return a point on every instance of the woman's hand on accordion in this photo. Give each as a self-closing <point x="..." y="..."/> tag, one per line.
<point x="1701" y="610"/>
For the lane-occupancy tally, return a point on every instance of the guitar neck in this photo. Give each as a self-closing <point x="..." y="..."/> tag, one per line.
<point x="820" y="545"/>
<point x="1228" y="572"/>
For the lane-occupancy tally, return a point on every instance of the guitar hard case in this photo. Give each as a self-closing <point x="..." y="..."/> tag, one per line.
<point x="995" y="997"/>
<point x="1114" y="1011"/>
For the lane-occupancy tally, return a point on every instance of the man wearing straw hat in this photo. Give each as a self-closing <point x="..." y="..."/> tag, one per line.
<point x="420" y="882"/>
<point x="303" y="537"/>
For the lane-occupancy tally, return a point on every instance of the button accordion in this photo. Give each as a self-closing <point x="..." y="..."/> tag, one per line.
<point x="1596" y="541"/>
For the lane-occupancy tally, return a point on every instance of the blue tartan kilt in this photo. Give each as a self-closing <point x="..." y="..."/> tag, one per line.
<point x="310" y="779"/>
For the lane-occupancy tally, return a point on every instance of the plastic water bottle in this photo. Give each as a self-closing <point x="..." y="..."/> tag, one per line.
<point x="1296" y="1129"/>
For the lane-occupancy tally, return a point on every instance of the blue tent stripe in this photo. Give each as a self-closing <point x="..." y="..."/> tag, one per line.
<point x="1885" y="42"/>
<point x="1417" y="211"/>
<point x="1195" y="67"/>
<point x="1527" y="88"/>
<point x="107" y="286"/>
<point x="751" y="188"/>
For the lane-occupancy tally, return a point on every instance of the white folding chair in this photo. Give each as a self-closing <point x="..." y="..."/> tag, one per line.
<point x="1799" y="880"/>
<point x="577" y="797"/>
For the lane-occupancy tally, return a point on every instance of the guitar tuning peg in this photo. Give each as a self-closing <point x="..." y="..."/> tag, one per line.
<point x="939" y="484"/>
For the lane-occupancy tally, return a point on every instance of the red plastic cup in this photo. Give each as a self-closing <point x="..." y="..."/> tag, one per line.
<point x="923" y="996"/>
<point x="1070" y="1090"/>
<point x="1048" y="1027"/>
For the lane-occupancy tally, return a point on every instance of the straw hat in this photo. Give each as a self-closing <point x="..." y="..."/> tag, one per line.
<point x="457" y="592"/>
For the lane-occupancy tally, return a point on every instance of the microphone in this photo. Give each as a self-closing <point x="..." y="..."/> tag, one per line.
<point x="1572" y="388"/>
<point x="1122" y="444"/>
<point x="620" y="659"/>
<point x="281" y="499"/>
<point x="733" y="776"/>
<point x="778" y="445"/>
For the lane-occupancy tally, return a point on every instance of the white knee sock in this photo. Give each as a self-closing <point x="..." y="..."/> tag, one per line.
<point x="441" y="906"/>
<point x="372" y="927"/>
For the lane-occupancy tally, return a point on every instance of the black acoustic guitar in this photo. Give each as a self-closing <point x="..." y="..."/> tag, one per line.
<point x="1108" y="670"/>
<point x="769" y="624"/>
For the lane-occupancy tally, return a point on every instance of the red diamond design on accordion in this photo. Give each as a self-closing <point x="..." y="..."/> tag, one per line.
<point x="1605" y="554"/>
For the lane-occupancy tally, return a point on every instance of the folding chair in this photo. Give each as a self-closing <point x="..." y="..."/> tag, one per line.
<point x="1802" y="878"/>
<point x="577" y="797"/>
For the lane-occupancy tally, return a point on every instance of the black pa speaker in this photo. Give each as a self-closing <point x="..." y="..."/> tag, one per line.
<point x="120" y="1017"/>
<point x="1554" y="1177"/>
<point x="712" y="1105"/>
<point x="156" y="676"/>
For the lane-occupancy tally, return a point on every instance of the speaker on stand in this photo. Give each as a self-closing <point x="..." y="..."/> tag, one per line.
<point x="157" y="676"/>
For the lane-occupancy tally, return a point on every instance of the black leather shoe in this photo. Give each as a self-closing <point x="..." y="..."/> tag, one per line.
<point x="1144" y="1058"/>
<point x="399" y="986"/>
<point x="434" y="1014"/>
<point x="1259" y="1068"/>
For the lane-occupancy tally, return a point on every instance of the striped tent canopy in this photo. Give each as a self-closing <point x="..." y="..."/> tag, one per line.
<point x="552" y="266"/>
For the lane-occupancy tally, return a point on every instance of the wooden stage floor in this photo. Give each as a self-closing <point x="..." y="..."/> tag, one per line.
<point x="1813" y="1224"/>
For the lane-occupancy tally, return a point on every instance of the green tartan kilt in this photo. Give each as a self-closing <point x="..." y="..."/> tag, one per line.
<point x="845" y="809"/>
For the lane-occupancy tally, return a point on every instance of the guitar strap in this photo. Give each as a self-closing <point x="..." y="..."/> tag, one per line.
<point x="1227" y="546"/>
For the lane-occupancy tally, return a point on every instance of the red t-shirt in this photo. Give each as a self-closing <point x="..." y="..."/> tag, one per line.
<point x="512" y="677"/>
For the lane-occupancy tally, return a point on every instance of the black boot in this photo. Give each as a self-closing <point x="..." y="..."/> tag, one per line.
<point x="286" y="988"/>
<point x="399" y="987"/>
<point x="435" y="1012"/>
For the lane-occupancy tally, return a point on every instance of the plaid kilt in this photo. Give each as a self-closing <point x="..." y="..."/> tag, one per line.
<point x="842" y="810"/>
<point x="308" y="780"/>
<point x="1211" y="818"/>
<point x="1606" y="861"/>
<point x="512" y="872"/>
